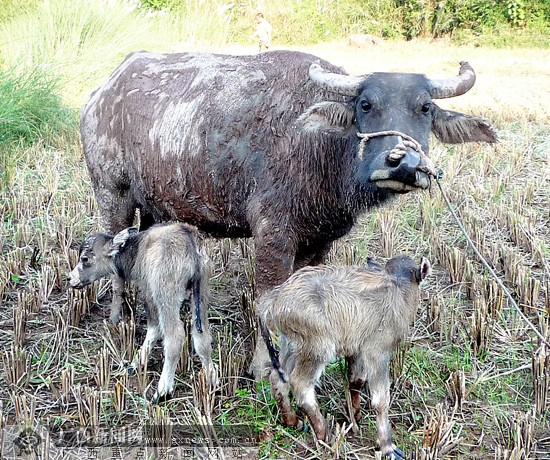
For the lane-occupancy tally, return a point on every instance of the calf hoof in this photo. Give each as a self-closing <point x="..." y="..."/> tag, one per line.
<point x="160" y="398"/>
<point x="212" y="377"/>
<point x="321" y="434"/>
<point x="292" y="421"/>
<point x="115" y="318"/>
<point x="396" y="454"/>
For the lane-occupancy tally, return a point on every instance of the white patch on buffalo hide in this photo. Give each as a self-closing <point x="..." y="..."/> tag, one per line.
<point x="110" y="144"/>
<point x="176" y="131"/>
<point x="113" y="80"/>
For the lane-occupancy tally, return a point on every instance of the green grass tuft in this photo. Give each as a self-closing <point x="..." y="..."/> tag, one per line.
<point x="31" y="108"/>
<point x="31" y="112"/>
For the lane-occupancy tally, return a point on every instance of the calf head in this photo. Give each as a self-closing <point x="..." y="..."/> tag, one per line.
<point x="97" y="257"/>
<point x="394" y="113"/>
<point x="406" y="269"/>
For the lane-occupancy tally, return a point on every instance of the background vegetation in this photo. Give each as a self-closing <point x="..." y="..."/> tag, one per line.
<point x="473" y="380"/>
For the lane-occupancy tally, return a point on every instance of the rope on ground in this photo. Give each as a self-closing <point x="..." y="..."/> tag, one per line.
<point x="438" y="177"/>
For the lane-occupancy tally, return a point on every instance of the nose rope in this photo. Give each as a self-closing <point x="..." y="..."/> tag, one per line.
<point x="398" y="153"/>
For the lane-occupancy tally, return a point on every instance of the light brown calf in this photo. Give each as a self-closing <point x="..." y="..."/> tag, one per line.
<point x="322" y="313"/>
<point x="167" y="266"/>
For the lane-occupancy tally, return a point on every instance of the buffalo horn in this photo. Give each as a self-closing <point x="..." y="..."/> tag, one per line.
<point x="451" y="87"/>
<point x="346" y="85"/>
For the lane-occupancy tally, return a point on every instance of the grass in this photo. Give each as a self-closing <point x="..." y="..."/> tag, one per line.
<point x="54" y="341"/>
<point x="79" y="41"/>
<point x="31" y="111"/>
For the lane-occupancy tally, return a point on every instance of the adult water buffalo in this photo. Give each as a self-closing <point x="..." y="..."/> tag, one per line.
<point x="265" y="146"/>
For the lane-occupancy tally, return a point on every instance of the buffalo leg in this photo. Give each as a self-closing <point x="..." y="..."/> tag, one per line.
<point x="274" y="264"/>
<point x="117" y="210"/>
<point x="311" y="255"/>
<point x="146" y="220"/>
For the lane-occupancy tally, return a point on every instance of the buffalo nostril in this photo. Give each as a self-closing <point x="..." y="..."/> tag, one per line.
<point x="395" y="156"/>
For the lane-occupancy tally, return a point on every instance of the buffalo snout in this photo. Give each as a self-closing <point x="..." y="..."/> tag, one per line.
<point x="402" y="170"/>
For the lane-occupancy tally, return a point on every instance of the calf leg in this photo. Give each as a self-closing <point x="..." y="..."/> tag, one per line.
<point x="357" y="376"/>
<point x="280" y="392"/>
<point x="173" y="332"/>
<point x="117" y="303"/>
<point x="379" y="385"/>
<point x="302" y="381"/>
<point x="261" y="364"/>
<point x="153" y="334"/>
<point x="202" y="343"/>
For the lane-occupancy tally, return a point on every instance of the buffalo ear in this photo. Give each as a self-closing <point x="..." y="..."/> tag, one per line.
<point x="120" y="240"/>
<point x="455" y="128"/>
<point x="326" y="116"/>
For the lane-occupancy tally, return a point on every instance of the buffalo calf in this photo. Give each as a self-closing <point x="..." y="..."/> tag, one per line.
<point x="167" y="266"/>
<point x="321" y="313"/>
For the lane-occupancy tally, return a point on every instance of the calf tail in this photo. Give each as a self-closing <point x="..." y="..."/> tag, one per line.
<point x="272" y="349"/>
<point x="196" y="290"/>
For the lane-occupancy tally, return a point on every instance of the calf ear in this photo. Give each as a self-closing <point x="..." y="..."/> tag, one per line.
<point x="373" y="265"/>
<point x="326" y="116"/>
<point x="120" y="239"/>
<point x="425" y="269"/>
<point x="455" y="128"/>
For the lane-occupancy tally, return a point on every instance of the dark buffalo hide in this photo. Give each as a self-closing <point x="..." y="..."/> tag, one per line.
<point x="263" y="146"/>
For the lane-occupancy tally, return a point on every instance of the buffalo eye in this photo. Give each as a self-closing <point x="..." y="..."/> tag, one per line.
<point x="366" y="106"/>
<point x="85" y="259"/>
<point x="426" y="107"/>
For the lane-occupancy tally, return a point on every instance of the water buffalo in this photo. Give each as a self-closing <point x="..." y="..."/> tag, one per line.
<point x="265" y="145"/>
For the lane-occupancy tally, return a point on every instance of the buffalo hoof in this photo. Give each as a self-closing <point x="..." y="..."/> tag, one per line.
<point x="131" y="370"/>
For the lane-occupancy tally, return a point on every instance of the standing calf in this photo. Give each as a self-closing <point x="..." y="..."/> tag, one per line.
<point x="321" y="313"/>
<point x="166" y="265"/>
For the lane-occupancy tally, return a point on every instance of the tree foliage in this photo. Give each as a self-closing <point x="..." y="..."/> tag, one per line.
<point x="321" y="19"/>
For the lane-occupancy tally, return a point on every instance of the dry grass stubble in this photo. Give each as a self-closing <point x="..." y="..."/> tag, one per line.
<point x="471" y="383"/>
